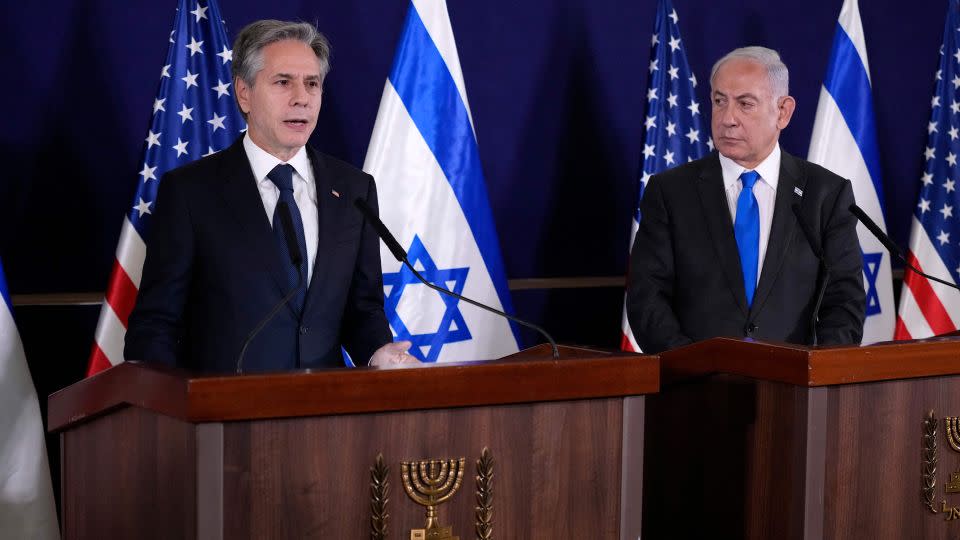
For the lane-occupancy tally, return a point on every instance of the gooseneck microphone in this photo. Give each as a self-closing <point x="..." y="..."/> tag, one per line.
<point x="891" y="246"/>
<point x="296" y="258"/>
<point x="401" y="255"/>
<point x="814" y="243"/>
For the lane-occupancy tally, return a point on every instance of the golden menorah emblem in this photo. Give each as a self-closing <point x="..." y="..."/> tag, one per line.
<point x="430" y="483"/>
<point x="953" y="431"/>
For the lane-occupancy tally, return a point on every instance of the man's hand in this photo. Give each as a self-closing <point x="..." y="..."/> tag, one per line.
<point x="393" y="354"/>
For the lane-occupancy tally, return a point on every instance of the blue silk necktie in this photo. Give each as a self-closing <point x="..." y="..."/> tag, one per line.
<point x="282" y="177"/>
<point x="746" y="228"/>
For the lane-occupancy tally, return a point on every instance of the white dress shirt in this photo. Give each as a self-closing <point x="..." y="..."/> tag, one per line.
<point x="765" y="190"/>
<point x="304" y="191"/>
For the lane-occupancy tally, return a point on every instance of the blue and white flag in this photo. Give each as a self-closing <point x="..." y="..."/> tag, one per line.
<point x="26" y="494"/>
<point x="424" y="156"/>
<point x="845" y="141"/>
<point x="674" y="131"/>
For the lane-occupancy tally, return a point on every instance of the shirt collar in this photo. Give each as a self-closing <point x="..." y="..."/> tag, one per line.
<point x="262" y="162"/>
<point x="769" y="169"/>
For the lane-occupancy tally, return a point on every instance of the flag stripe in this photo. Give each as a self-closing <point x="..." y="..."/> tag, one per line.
<point x="929" y="303"/>
<point x="98" y="361"/>
<point x="131" y="251"/>
<point x="110" y="335"/>
<point x="911" y="323"/>
<point x="848" y="83"/>
<point x="901" y="331"/>
<point x="4" y="291"/>
<point x="432" y="100"/>
<point x="121" y="293"/>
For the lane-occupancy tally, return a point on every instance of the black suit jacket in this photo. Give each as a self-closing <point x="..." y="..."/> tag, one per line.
<point x="213" y="270"/>
<point x="686" y="283"/>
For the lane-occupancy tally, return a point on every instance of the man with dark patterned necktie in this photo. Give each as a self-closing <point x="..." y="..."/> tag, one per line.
<point x="218" y="260"/>
<point x="720" y="251"/>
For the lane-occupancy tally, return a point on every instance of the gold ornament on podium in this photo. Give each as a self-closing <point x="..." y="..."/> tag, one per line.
<point x="953" y="431"/>
<point x="929" y="464"/>
<point x="379" y="496"/>
<point x="430" y="483"/>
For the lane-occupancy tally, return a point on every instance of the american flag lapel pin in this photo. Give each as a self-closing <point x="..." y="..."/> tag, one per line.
<point x="335" y="193"/>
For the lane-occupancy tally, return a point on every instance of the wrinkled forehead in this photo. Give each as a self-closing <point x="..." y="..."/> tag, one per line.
<point x="741" y="76"/>
<point x="292" y="58"/>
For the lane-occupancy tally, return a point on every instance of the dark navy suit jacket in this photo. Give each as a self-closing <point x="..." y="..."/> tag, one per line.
<point x="685" y="280"/>
<point x="213" y="270"/>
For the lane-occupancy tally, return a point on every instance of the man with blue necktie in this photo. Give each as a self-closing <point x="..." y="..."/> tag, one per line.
<point x="720" y="251"/>
<point x="218" y="259"/>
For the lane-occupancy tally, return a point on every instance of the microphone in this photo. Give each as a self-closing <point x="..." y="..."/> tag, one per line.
<point x="814" y="243"/>
<point x="401" y="255"/>
<point x="296" y="258"/>
<point x="892" y="246"/>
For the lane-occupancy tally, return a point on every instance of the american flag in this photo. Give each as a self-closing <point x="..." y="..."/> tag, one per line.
<point x="928" y="308"/>
<point x="673" y="124"/>
<point x="194" y="115"/>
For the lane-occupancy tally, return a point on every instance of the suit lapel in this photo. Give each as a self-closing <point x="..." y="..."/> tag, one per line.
<point x="782" y="229"/>
<point x="243" y="199"/>
<point x="713" y="200"/>
<point x="329" y="213"/>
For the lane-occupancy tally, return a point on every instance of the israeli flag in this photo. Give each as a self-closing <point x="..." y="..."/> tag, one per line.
<point x="26" y="494"/>
<point x="845" y="141"/>
<point x="423" y="154"/>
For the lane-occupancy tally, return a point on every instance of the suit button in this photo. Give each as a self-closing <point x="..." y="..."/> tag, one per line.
<point x="749" y="329"/>
<point x="304" y="330"/>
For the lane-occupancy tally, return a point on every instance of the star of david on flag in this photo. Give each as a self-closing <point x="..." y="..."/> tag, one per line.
<point x="194" y="115"/>
<point x="424" y="156"/>
<point x="844" y="140"/>
<point x="928" y="308"/>
<point x="452" y="326"/>
<point x="674" y="128"/>
<point x="871" y="271"/>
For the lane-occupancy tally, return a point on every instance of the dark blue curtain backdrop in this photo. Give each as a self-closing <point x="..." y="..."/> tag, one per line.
<point x="557" y="90"/>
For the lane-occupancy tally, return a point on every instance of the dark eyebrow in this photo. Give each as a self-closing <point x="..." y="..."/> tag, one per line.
<point x="750" y="95"/>
<point x="290" y="76"/>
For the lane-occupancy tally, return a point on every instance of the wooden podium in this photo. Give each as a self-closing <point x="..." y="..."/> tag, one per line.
<point x="148" y="452"/>
<point x="756" y="440"/>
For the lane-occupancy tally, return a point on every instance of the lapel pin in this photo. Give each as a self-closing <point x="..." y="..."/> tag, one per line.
<point x="798" y="191"/>
<point x="335" y="193"/>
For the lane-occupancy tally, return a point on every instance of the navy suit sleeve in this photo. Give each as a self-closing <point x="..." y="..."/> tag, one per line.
<point x="365" y="327"/>
<point x="840" y="320"/>
<point x="651" y="280"/>
<point x="155" y="325"/>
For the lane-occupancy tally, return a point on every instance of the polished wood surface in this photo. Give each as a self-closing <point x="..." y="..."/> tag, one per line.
<point x="130" y="474"/>
<point x="814" y="366"/>
<point x="778" y="441"/>
<point x="725" y="459"/>
<point x="151" y="452"/>
<point x="556" y="471"/>
<point x="874" y="443"/>
<point x="529" y="376"/>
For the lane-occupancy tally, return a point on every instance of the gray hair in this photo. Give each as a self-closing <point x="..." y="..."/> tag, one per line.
<point x="250" y="42"/>
<point x="777" y="71"/>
